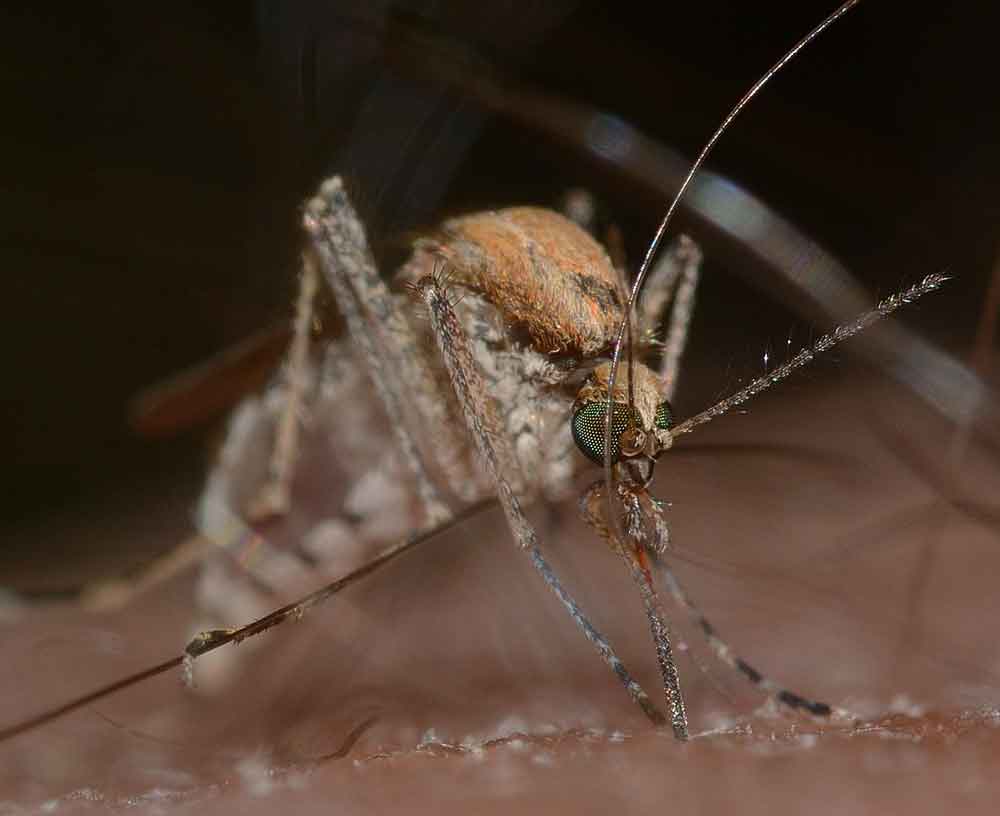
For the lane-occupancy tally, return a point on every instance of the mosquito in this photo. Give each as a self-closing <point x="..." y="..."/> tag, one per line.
<point x="510" y="345"/>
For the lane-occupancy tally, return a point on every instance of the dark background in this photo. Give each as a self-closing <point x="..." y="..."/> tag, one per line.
<point x="155" y="158"/>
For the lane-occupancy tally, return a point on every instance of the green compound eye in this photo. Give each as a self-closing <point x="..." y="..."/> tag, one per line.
<point x="588" y="430"/>
<point x="664" y="418"/>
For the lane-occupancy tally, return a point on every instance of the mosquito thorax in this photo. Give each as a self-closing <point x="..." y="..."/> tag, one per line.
<point x="545" y="275"/>
<point x="641" y="429"/>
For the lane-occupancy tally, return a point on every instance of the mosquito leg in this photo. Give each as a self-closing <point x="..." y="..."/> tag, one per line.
<point x="118" y="592"/>
<point x="279" y="555"/>
<point x="655" y="541"/>
<point x="382" y="334"/>
<point x="633" y="554"/>
<point x="115" y="593"/>
<point x="210" y="640"/>
<point x="221" y="531"/>
<point x="274" y="496"/>
<point x="674" y="277"/>
<point x="485" y="427"/>
<point x="653" y="514"/>
<point x="580" y="207"/>
<point x="686" y="254"/>
<point x="722" y="650"/>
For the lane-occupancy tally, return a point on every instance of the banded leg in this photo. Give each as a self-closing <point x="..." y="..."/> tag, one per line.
<point x="654" y="512"/>
<point x="485" y="428"/>
<point x="724" y="652"/>
<point x="650" y="516"/>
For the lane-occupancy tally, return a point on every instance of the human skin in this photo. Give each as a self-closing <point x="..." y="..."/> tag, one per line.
<point x="450" y="680"/>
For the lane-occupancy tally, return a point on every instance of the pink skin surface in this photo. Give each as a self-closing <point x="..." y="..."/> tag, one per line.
<point x="814" y="531"/>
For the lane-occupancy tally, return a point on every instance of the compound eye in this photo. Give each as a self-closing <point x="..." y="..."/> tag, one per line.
<point x="664" y="419"/>
<point x="588" y="430"/>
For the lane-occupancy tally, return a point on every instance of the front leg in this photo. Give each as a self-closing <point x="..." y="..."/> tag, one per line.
<point x="485" y="427"/>
<point x="673" y="279"/>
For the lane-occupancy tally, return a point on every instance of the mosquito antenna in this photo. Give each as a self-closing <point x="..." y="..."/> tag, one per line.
<point x="658" y="237"/>
<point x="631" y="369"/>
<point x="215" y="638"/>
<point x="883" y="309"/>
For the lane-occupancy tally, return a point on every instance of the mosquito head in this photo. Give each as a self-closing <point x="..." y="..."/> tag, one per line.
<point x="640" y="428"/>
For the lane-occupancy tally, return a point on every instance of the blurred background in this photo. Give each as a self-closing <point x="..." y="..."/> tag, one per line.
<point x="155" y="158"/>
